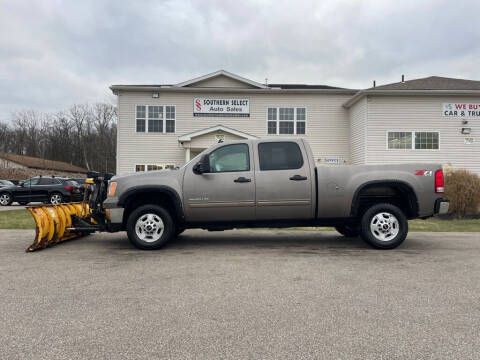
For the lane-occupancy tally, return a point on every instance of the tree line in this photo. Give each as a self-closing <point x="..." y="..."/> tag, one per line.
<point x="84" y="135"/>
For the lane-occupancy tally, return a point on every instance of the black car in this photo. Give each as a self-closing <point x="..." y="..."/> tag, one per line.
<point x="49" y="189"/>
<point x="4" y="183"/>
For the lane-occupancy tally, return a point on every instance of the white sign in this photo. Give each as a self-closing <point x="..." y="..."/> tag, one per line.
<point x="462" y="110"/>
<point x="469" y="140"/>
<point x="221" y="107"/>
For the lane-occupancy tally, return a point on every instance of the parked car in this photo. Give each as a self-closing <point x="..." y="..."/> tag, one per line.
<point x="49" y="189"/>
<point x="272" y="183"/>
<point x="4" y="183"/>
<point x="80" y="181"/>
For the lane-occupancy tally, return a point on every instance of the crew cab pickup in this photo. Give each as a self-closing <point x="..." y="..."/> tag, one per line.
<point x="274" y="184"/>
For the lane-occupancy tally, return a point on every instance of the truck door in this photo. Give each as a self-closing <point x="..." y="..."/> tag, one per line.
<point x="283" y="181"/>
<point x="227" y="191"/>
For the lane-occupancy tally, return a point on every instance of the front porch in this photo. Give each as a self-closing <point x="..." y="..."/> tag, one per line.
<point x="194" y="143"/>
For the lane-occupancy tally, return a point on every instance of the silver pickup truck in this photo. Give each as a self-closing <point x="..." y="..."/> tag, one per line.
<point x="274" y="184"/>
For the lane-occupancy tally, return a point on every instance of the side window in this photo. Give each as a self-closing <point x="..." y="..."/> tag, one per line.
<point x="32" y="181"/>
<point x="45" y="181"/>
<point x="230" y="158"/>
<point x="279" y="156"/>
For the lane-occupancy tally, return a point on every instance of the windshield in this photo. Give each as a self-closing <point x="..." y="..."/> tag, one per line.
<point x="191" y="160"/>
<point x="6" y="182"/>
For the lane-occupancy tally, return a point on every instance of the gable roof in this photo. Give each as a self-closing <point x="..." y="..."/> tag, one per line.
<point x="222" y="73"/>
<point x="38" y="163"/>
<point x="188" y="137"/>
<point x="432" y="85"/>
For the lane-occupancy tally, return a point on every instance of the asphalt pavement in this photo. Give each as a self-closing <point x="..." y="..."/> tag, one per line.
<point x="241" y="294"/>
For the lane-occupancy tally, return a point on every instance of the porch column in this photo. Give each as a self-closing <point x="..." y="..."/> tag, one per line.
<point x="187" y="154"/>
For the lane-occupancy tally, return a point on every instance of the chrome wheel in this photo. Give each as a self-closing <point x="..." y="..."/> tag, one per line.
<point x="384" y="226"/>
<point x="56" y="199"/>
<point x="149" y="227"/>
<point x="4" y="199"/>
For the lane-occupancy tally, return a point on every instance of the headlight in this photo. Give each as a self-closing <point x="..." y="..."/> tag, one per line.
<point x="111" y="188"/>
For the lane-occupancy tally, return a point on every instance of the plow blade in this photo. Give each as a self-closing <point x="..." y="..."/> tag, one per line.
<point x="55" y="223"/>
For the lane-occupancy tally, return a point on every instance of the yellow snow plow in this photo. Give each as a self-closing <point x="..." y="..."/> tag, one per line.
<point x="58" y="223"/>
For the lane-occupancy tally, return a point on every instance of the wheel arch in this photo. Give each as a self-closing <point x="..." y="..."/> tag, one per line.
<point x="152" y="194"/>
<point x="409" y="204"/>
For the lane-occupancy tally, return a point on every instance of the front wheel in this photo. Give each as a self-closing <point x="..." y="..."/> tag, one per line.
<point x="150" y="227"/>
<point x="5" y="199"/>
<point x="384" y="226"/>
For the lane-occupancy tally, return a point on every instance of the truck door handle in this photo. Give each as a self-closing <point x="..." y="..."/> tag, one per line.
<point x="242" y="179"/>
<point x="298" y="178"/>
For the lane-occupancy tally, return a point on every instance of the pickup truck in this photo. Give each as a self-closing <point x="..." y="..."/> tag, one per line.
<point x="273" y="183"/>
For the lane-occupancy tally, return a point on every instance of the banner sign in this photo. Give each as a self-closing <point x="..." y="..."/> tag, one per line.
<point x="461" y="110"/>
<point x="221" y="107"/>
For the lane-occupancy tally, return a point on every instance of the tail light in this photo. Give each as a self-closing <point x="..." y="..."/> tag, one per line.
<point x="439" y="183"/>
<point x="69" y="188"/>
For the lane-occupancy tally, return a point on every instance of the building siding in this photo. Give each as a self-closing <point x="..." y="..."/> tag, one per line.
<point x="327" y="128"/>
<point x="358" y="131"/>
<point x="421" y="113"/>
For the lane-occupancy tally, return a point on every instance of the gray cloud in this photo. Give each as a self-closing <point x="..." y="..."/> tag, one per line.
<point x="56" y="53"/>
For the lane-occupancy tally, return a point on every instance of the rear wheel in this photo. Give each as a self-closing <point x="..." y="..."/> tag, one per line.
<point x="384" y="226"/>
<point x="150" y="227"/>
<point x="56" y="199"/>
<point x="348" y="231"/>
<point x="5" y="199"/>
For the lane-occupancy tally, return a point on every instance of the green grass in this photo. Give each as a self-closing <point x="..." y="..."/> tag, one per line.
<point x="22" y="219"/>
<point x="16" y="219"/>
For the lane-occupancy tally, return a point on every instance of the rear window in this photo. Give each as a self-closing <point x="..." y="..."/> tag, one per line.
<point x="279" y="156"/>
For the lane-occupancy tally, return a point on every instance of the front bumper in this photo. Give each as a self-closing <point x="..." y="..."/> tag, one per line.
<point x="441" y="206"/>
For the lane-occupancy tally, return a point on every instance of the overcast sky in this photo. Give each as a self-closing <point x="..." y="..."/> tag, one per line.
<point x="54" y="53"/>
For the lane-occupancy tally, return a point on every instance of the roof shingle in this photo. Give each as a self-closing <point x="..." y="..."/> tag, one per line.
<point x="38" y="163"/>
<point x="432" y="83"/>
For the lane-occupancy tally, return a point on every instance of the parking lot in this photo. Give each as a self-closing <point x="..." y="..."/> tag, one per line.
<point x="241" y="294"/>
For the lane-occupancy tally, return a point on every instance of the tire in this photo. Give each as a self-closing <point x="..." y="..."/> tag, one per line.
<point x="161" y="229"/>
<point x="55" y="198"/>
<point x="384" y="226"/>
<point x="348" y="231"/>
<point x="5" y="199"/>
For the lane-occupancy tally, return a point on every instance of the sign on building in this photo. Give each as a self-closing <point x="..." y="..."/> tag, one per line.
<point x="225" y="107"/>
<point x="462" y="110"/>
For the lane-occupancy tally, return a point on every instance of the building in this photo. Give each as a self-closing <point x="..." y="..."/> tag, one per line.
<point x="433" y="119"/>
<point x="14" y="161"/>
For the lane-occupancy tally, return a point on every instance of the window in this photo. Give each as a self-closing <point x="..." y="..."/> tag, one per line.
<point x="32" y="181"/>
<point x="170" y="116"/>
<point x="139" y="168"/>
<point x="230" y="158"/>
<point x="426" y="140"/>
<point x="286" y="120"/>
<point x="280" y="156"/>
<point x="418" y="140"/>
<point x="155" y="118"/>
<point x="399" y="140"/>
<point x="45" y="181"/>
<point x="141" y="116"/>
<point x="154" y="167"/>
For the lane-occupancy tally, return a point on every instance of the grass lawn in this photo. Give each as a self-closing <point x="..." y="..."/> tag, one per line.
<point x="22" y="219"/>
<point x="16" y="219"/>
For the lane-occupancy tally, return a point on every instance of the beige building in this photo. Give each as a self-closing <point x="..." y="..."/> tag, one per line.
<point x="424" y="120"/>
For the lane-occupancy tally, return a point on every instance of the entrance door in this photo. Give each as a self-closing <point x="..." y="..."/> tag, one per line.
<point x="227" y="191"/>
<point x="283" y="181"/>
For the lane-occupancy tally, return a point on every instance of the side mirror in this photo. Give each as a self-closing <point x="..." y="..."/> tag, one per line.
<point x="203" y="166"/>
